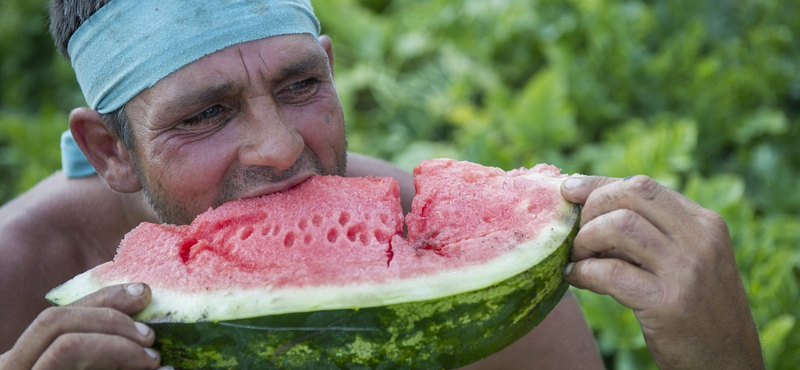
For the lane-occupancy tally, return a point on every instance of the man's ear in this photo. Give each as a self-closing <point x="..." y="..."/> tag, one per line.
<point x="104" y="150"/>
<point x="327" y="44"/>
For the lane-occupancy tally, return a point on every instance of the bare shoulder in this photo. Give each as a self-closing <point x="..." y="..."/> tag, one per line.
<point x="562" y="340"/>
<point x="50" y="233"/>
<point x="38" y="229"/>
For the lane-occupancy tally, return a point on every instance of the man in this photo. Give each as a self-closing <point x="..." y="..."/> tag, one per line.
<point x="193" y="106"/>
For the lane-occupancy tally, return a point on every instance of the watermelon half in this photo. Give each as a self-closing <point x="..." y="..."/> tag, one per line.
<point x="320" y="276"/>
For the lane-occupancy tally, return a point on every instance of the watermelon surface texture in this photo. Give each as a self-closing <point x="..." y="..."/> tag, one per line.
<point x="321" y="277"/>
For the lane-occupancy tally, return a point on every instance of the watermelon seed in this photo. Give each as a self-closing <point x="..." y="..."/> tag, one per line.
<point x="317" y="220"/>
<point x="353" y="231"/>
<point x="380" y="236"/>
<point x="191" y="247"/>
<point x="302" y="224"/>
<point x="245" y="232"/>
<point x="264" y="230"/>
<point x="307" y="239"/>
<point x="344" y="218"/>
<point x="186" y="249"/>
<point x="288" y="240"/>
<point x="276" y="230"/>
<point x="333" y="234"/>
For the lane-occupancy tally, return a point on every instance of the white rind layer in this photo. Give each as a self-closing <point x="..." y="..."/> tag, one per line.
<point x="174" y="306"/>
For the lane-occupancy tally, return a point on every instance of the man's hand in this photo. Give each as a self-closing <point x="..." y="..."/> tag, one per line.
<point x="95" y="332"/>
<point x="669" y="260"/>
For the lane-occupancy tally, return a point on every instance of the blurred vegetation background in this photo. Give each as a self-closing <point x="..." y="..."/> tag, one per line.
<point x="703" y="95"/>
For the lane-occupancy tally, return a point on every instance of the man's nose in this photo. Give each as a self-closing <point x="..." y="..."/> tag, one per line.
<point x="269" y="139"/>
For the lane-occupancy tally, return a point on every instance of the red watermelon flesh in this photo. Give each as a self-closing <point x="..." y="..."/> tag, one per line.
<point x="293" y="238"/>
<point x="462" y="209"/>
<point x="331" y="232"/>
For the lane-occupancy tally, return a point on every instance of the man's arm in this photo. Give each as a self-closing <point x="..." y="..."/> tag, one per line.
<point x="672" y="262"/>
<point x="54" y="231"/>
<point x="60" y="228"/>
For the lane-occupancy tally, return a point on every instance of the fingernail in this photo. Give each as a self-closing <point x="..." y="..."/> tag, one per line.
<point x="151" y="352"/>
<point x="142" y="328"/>
<point x="135" y="290"/>
<point x="572" y="183"/>
<point x="568" y="268"/>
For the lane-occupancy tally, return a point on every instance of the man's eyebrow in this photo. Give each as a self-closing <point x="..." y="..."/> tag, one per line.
<point x="312" y="63"/>
<point x="191" y="97"/>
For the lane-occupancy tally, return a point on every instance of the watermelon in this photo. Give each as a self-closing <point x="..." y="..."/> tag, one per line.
<point x="321" y="275"/>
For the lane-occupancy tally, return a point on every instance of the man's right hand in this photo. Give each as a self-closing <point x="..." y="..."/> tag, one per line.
<point x="94" y="332"/>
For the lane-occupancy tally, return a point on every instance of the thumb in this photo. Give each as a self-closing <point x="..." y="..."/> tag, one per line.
<point x="576" y="189"/>
<point x="631" y="286"/>
<point x="126" y="298"/>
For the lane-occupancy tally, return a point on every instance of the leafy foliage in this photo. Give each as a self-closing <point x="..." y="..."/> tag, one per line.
<point x="702" y="95"/>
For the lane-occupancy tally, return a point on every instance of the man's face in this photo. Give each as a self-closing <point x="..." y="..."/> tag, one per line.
<point x="249" y="120"/>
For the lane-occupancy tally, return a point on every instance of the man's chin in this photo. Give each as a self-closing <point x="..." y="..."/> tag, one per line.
<point x="169" y="212"/>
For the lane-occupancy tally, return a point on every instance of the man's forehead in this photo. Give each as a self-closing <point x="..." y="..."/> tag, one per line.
<point x="230" y="70"/>
<point x="128" y="46"/>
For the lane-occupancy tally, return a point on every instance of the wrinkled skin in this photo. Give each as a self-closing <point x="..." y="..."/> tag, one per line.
<point x="268" y="119"/>
<point x="672" y="262"/>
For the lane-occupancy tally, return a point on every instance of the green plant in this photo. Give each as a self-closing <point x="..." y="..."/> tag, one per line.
<point x="702" y="95"/>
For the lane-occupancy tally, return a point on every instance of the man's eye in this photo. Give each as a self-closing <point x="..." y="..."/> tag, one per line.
<point x="303" y="88"/>
<point x="209" y="114"/>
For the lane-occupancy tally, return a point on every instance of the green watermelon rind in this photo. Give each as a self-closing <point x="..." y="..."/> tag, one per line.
<point x="442" y="333"/>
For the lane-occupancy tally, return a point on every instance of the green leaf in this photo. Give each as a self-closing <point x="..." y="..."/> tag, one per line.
<point x="773" y="336"/>
<point x="762" y="122"/>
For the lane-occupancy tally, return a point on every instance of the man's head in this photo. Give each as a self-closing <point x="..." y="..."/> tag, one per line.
<point x="65" y="18"/>
<point x="250" y="115"/>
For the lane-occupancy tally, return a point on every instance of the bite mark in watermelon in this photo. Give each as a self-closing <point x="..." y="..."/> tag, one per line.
<point x="320" y="275"/>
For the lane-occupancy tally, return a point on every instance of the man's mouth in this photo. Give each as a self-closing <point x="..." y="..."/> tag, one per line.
<point x="251" y="182"/>
<point x="275" y="187"/>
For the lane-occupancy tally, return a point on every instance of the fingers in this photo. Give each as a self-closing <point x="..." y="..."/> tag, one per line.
<point x="622" y="234"/>
<point x="57" y="321"/>
<point x="127" y="298"/>
<point x="628" y="284"/>
<point x="664" y="208"/>
<point x="619" y="245"/>
<point x="577" y="189"/>
<point x="61" y="332"/>
<point x="667" y="258"/>
<point x="96" y="351"/>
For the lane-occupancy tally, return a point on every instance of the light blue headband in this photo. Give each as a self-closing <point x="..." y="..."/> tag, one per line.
<point x="129" y="45"/>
